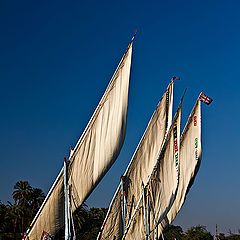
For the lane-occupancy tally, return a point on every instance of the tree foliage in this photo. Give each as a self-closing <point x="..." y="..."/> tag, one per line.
<point x="195" y="233"/>
<point x="91" y="221"/>
<point x="230" y="236"/>
<point x="173" y="232"/>
<point x="15" y="218"/>
<point x="198" y="233"/>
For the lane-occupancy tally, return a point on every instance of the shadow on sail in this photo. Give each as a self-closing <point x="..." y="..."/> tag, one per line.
<point x="93" y="155"/>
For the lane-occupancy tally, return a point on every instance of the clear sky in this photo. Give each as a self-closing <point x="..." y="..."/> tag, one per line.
<point x="56" y="58"/>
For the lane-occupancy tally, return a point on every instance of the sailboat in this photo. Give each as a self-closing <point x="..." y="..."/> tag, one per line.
<point x="149" y="162"/>
<point x="155" y="184"/>
<point x="190" y="159"/>
<point x="95" y="152"/>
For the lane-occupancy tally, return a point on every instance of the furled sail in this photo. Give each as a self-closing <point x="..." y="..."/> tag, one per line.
<point x="95" y="152"/>
<point x="160" y="191"/>
<point x="139" y="169"/>
<point x="190" y="158"/>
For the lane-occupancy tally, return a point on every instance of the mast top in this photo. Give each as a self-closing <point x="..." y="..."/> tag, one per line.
<point x="134" y="35"/>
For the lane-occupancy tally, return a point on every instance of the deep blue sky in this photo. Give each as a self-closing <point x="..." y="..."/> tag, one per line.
<point x="56" y="58"/>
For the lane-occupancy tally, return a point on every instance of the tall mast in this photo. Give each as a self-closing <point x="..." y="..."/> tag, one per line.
<point x="67" y="234"/>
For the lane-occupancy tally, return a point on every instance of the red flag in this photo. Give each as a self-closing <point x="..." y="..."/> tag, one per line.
<point x="204" y="98"/>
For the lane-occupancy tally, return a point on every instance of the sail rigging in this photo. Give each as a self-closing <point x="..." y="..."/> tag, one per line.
<point x="160" y="190"/>
<point x="155" y="184"/>
<point x="95" y="152"/>
<point x="190" y="159"/>
<point x="139" y="169"/>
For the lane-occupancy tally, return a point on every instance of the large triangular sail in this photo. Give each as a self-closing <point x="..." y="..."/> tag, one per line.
<point x="139" y="169"/>
<point x="103" y="138"/>
<point x="95" y="152"/>
<point x="190" y="158"/>
<point x="160" y="191"/>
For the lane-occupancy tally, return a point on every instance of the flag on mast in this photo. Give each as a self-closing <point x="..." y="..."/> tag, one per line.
<point x="204" y="98"/>
<point x="174" y="78"/>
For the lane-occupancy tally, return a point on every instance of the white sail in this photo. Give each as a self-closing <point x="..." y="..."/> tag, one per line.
<point x="190" y="158"/>
<point x="139" y="169"/>
<point x="160" y="190"/>
<point x="95" y="152"/>
<point x="103" y="138"/>
<point x="50" y="217"/>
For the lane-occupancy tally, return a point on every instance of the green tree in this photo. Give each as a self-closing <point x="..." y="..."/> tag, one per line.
<point x="27" y="200"/>
<point x="80" y="217"/>
<point x="22" y="192"/>
<point x="198" y="233"/>
<point x="15" y="213"/>
<point x="233" y="237"/>
<point x="9" y="221"/>
<point x="4" y="218"/>
<point x="88" y="222"/>
<point x="16" y="217"/>
<point x="36" y="199"/>
<point x="22" y="195"/>
<point x="173" y="232"/>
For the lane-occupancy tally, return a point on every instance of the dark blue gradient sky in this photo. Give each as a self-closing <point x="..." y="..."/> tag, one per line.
<point x="56" y="58"/>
